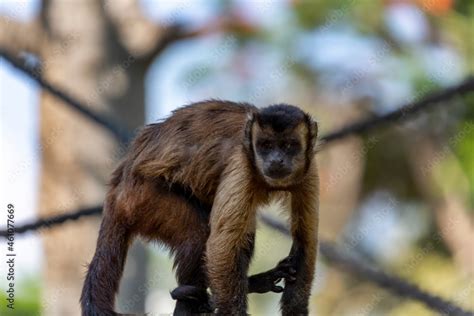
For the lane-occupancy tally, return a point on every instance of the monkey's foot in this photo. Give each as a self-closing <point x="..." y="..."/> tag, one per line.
<point x="192" y="299"/>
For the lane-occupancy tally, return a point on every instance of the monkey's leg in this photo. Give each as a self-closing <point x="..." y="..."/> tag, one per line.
<point x="105" y="269"/>
<point x="184" y="227"/>
<point x="192" y="297"/>
<point x="304" y="227"/>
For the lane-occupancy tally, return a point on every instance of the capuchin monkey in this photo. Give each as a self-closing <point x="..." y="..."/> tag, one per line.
<point x="194" y="182"/>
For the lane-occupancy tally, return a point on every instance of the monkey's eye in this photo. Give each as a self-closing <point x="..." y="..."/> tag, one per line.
<point x="291" y="146"/>
<point x="265" y="145"/>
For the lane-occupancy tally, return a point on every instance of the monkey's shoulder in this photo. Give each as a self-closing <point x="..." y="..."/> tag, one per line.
<point x="215" y="106"/>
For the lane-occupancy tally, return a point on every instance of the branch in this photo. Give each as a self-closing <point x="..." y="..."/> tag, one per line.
<point x="137" y="34"/>
<point x="145" y="39"/>
<point x="177" y="33"/>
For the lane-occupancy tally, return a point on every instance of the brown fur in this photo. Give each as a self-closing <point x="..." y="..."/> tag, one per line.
<point x="192" y="182"/>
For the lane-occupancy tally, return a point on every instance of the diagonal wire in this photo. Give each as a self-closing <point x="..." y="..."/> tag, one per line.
<point x="402" y="113"/>
<point x="403" y="288"/>
<point x="51" y="221"/>
<point x="108" y="123"/>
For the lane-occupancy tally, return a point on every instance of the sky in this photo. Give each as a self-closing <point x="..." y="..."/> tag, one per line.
<point x="19" y="158"/>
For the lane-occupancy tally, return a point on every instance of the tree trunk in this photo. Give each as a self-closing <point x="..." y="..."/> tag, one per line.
<point x="82" y="56"/>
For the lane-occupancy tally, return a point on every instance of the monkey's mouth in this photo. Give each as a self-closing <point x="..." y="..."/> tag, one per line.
<point x="277" y="174"/>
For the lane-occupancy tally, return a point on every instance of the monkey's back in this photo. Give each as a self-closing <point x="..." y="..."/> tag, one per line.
<point x="192" y="146"/>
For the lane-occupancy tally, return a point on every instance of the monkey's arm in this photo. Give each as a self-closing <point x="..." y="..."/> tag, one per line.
<point x="230" y="244"/>
<point x="304" y="229"/>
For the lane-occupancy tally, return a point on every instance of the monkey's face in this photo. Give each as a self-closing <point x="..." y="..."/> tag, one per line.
<point x="280" y="156"/>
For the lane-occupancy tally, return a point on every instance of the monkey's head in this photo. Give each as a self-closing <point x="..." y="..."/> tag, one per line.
<point x="280" y="140"/>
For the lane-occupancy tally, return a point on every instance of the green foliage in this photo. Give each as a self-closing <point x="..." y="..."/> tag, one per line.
<point x="27" y="299"/>
<point x="465" y="7"/>
<point x="311" y="13"/>
<point x="387" y="167"/>
<point x="465" y="153"/>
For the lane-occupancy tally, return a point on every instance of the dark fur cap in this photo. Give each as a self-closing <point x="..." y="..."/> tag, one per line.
<point x="280" y="117"/>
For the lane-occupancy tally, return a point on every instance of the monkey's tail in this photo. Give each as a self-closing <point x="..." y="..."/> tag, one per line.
<point x="105" y="269"/>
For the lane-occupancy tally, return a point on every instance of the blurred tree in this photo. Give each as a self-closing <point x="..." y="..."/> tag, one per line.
<point x="99" y="53"/>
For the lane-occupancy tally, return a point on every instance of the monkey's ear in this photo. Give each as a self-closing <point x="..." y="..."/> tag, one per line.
<point x="313" y="132"/>
<point x="251" y="117"/>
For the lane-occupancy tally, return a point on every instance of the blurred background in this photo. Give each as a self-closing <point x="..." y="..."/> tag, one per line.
<point x="401" y="197"/>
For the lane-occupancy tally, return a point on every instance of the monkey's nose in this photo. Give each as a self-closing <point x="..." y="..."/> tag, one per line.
<point x="277" y="164"/>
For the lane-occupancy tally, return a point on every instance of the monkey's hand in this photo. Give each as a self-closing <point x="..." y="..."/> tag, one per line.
<point x="259" y="283"/>
<point x="267" y="281"/>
